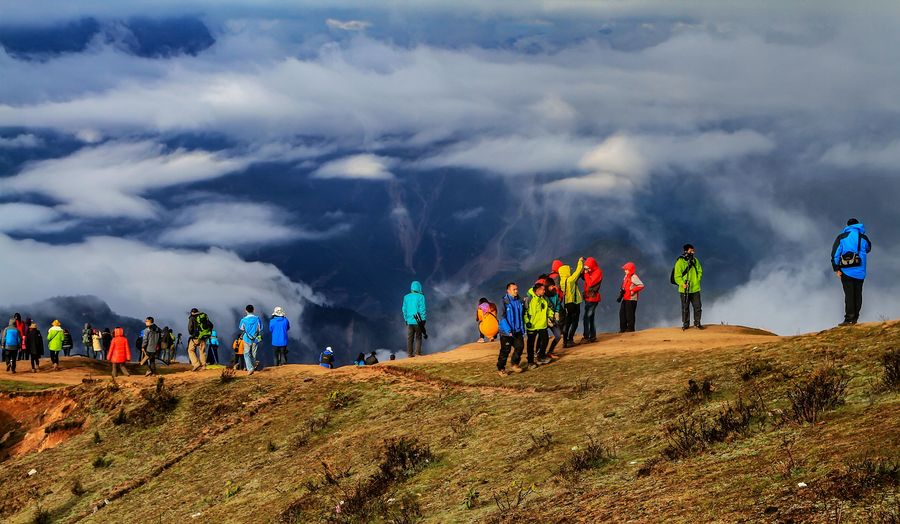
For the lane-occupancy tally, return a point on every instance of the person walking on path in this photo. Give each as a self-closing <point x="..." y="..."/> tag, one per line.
<point x="415" y="315"/>
<point x="686" y="275"/>
<point x="279" y="325"/>
<point x="628" y="297"/>
<point x="152" y="344"/>
<point x="11" y="340"/>
<point x="213" y="351"/>
<point x="593" y="277"/>
<point x="251" y="334"/>
<point x="68" y="343"/>
<point x="87" y="339"/>
<point x="55" y="338"/>
<point x="119" y="353"/>
<point x="512" y="331"/>
<point x="34" y="345"/>
<point x="568" y="284"/>
<point x="849" y="255"/>
<point x="199" y="330"/>
<point x="537" y="318"/>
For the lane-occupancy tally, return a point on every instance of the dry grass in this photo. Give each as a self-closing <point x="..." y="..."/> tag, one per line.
<point x="510" y="435"/>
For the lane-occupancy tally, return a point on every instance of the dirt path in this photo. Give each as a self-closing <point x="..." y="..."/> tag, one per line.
<point x="74" y="370"/>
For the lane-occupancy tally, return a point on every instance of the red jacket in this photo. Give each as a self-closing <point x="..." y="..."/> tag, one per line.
<point x="631" y="283"/>
<point x="593" y="276"/>
<point x="20" y="326"/>
<point x="119" y="352"/>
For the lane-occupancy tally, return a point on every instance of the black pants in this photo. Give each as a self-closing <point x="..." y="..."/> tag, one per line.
<point x="67" y="351"/>
<point x="538" y="339"/>
<point x="54" y="357"/>
<point x="238" y="361"/>
<point x="573" y="311"/>
<point x="35" y="362"/>
<point x="413" y="338"/>
<point x="627" y="312"/>
<point x="688" y="301"/>
<point x="10" y="356"/>
<point x="151" y="362"/>
<point x="516" y="343"/>
<point x="280" y="355"/>
<point x="852" y="298"/>
<point x="212" y="354"/>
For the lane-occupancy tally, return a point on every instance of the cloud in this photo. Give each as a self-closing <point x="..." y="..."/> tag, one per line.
<point x="885" y="157"/>
<point x="348" y="25"/>
<point x="235" y="225"/>
<point x="465" y="215"/>
<point x="109" y="180"/>
<point x="357" y="167"/>
<point x="514" y="155"/>
<point x="17" y="217"/>
<point x="23" y="141"/>
<point x="137" y="279"/>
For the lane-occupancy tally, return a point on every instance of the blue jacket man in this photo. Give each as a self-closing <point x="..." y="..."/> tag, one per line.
<point x="251" y="332"/>
<point x="849" y="255"/>
<point x="279" y="326"/>
<point x="415" y="315"/>
<point x="512" y="330"/>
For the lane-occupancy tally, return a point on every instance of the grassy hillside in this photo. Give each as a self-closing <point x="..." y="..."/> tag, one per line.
<point x="725" y="425"/>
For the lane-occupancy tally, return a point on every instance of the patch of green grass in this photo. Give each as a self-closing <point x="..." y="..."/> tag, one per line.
<point x="16" y="386"/>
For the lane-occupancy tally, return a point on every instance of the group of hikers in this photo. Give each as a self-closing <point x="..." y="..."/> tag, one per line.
<point x="552" y="305"/>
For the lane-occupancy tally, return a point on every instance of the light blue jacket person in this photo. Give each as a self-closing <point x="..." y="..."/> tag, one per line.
<point x="414" y="304"/>
<point x="852" y="240"/>
<point x="251" y="333"/>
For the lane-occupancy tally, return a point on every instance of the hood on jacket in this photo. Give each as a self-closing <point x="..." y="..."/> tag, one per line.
<point x="416" y="287"/>
<point x="629" y="268"/>
<point x="554" y="267"/>
<point x="564" y="273"/>
<point x="860" y="228"/>
<point x="590" y="263"/>
<point x="119" y="332"/>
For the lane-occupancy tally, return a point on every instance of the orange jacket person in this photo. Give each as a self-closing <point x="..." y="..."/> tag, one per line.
<point x="119" y="352"/>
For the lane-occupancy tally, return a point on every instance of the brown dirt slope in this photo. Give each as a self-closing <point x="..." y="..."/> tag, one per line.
<point x="612" y="432"/>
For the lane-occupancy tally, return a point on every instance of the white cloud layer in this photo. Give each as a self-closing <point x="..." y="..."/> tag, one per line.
<point x="357" y="167"/>
<point x="24" y="141"/>
<point x="137" y="280"/>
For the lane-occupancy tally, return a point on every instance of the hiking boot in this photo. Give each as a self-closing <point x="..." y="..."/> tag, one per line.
<point x="685" y="327"/>
<point x="502" y="372"/>
<point x="481" y="340"/>
<point x="196" y="368"/>
<point x="592" y="340"/>
<point x="544" y="361"/>
<point x="845" y="323"/>
<point x="147" y="374"/>
<point x="515" y="369"/>
<point x="532" y="365"/>
<point x="251" y="372"/>
<point x="700" y="326"/>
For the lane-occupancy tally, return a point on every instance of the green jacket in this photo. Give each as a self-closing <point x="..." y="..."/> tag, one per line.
<point x="692" y="276"/>
<point x="537" y="312"/>
<point x="55" y="338"/>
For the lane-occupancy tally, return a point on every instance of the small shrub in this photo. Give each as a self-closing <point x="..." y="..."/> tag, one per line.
<point x="404" y="457"/>
<point x="540" y="441"/>
<point x="691" y="434"/>
<point x="340" y="399"/>
<point x="459" y="424"/>
<point x="404" y="510"/>
<point x="859" y="478"/>
<point x="825" y="389"/>
<point x="158" y="402"/>
<point x="582" y="387"/>
<point x="512" y="497"/>
<point x="753" y="368"/>
<point x="647" y="467"/>
<point x="102" y="461"/>
<point x="77" y="489"/>
<point x="97" y="438"/>
<point x="227" y="375"/>
<point x="593" y="455"/>
<point x="41" y="516"/>
<point x="891" y="363"/>
<point x="272" y="447"/>
<point x="684" y="437"/>
<point x="231" y="489"/>
<point x="472" y="496"/>
<point x="120" y="418"/>
<point x="698" y="392"/>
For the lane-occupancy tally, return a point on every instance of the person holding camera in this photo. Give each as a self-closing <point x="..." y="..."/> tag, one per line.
<point x="848" y="260"/>
<point x="686" y="275"/>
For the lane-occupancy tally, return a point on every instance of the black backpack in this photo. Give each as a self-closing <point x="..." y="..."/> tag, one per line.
<point x="683" y="273"/>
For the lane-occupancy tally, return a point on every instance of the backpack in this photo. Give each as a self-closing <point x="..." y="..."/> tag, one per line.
<point x="11" y="338"/>
<point x="204" y="324"/>
<point x="851" y="259"/>
<point x="327" y="358"/>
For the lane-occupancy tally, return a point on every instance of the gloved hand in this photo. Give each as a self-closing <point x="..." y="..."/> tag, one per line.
<point x="621" y="295"/>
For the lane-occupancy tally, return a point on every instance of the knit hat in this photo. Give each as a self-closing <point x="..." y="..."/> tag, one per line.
<point x="279" y="312"/>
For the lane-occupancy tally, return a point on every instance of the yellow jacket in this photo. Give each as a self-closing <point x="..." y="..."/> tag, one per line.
<point x="568" y="281"/>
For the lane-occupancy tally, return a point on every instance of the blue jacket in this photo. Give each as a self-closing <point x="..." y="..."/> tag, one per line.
<point x="414" y="303"/>
<point x="513" y="321"/>
<point x="251" y="328"/>
<point x="326" y="359"/>
<point x="852" y="238"/>
<point x="214" y="338"/>
<point x="279" y="327"/>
